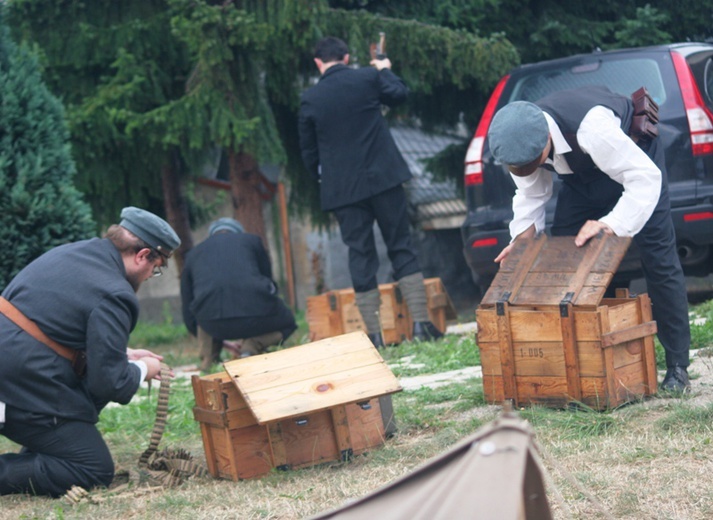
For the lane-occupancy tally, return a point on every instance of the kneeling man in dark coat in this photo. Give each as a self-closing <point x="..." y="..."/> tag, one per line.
<point x="228" y="293"/>
<point x="65" y="321"/>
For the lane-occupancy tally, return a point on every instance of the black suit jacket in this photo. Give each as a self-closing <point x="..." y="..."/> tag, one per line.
<point x="343" y="134"/>
<point x="228" y="275"/>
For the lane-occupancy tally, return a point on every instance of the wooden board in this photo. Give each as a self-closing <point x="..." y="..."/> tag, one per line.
<point x="546" y="270"/>
<point x="312" y="377"/>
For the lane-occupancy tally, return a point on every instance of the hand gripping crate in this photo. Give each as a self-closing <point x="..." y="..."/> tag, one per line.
<point x="547" y="336"/>
<point x="320" y="402"/>
<point x="335" y="312"/>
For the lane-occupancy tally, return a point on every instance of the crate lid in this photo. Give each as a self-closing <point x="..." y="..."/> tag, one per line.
<point x="551" y="270"/>
<point x="308" y="378"/>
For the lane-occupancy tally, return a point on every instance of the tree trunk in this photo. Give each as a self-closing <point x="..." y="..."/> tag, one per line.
<point x="245" y="192"/>
<point x="175" y="205"/>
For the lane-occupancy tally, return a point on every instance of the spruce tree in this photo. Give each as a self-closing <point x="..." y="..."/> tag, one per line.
<point x="39" y="206"/>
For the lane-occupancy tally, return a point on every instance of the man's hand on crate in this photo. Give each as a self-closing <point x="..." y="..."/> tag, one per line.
<point x="590" y="229"/>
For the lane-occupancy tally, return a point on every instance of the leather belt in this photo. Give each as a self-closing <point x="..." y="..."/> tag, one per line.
<point x="77" y="357"/>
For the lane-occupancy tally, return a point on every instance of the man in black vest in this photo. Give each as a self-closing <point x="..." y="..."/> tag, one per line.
<point x="610" y="184"/>
<point x="347" y="146"/>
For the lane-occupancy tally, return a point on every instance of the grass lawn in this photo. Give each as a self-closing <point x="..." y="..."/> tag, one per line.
<point x="646" y="460"/>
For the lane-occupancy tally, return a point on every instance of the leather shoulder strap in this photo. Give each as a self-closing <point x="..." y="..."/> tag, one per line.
<point x="29" y="326"/>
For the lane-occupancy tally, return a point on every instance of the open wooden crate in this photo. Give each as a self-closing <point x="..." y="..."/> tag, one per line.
<point x="319" y="402"/>
<point x="547" y="336"/>
<point x="335" y="312"/>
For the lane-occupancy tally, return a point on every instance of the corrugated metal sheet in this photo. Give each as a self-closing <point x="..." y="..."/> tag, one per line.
<point x="435" y="204"/>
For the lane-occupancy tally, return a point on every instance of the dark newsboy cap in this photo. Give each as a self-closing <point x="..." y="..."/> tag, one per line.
<point x="518" y="133"/>
<point x="153" y="230"/>
<point x="225" y="224"/>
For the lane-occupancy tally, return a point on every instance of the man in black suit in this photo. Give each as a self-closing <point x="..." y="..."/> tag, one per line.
<point x="347" y="146"/>
<point x="227" y="292"/>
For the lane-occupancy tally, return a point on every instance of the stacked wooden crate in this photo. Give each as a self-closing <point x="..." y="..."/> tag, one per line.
<point x="335" y="312"/>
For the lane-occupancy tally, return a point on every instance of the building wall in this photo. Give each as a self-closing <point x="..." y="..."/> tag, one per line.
<point x="319" y="260"/>
<point x="320" y="263"/>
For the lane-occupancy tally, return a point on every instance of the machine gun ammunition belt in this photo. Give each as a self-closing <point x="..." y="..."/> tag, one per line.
<point x="161" y="415"/>
<point x="157" y="469"/>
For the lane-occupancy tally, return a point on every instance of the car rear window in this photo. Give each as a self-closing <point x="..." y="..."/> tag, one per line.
<point x="624" y="76"/>
<point x="708" y="81"/>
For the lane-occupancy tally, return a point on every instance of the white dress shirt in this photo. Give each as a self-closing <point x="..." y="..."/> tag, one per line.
<point x="614" y="153"/>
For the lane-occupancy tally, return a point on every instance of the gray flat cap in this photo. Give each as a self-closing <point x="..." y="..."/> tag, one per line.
<point x="518" y="133"/>
<point x="153" y="230"/>
<point x="226" y="224"/>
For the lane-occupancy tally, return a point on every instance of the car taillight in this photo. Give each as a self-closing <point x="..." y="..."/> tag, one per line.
<point x="700" y="119"/>
<point x="695" y="217"/>
<point x="474" y="156"/>
<point x="474" y="162"/>
<point x="485" y="242"/>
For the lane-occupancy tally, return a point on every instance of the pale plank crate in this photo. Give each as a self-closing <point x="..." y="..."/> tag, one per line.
<point x="297" y="407"/>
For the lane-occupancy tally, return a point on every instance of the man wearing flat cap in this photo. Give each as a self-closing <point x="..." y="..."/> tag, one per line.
<point x="613" y="181"/>
<point x="228" y="293"/>
<point x="65" y="322"/>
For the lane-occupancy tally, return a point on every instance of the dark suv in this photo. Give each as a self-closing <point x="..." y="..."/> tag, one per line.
<point x="680" y="79"/>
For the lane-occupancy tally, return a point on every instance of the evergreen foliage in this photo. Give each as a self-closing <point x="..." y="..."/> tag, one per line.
<point x="546" y="29"/>
<point x="39" y="206"/>
<point x="151" y="76"/>
<point x="110" y="62"/>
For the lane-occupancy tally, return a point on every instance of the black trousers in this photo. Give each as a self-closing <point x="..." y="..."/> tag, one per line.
<point x="281" y="320"/>
<point x="56" y="455"/>
<point x="578" y="202"/>
<point x="356" y="222"/>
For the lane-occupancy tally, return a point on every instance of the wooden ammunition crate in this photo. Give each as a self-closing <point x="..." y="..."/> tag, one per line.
<point x="547" y="336"/>
<point x="320" y="402"/>
<point x="335" y="312"/>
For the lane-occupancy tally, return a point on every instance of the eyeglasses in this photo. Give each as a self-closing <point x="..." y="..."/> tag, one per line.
<point x="158" y="269"/>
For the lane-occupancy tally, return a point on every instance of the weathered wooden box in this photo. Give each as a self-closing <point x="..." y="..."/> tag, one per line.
<point x="335" y="312"/>
<point x="297" y="407"/>
<point x="547" y="336"/>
